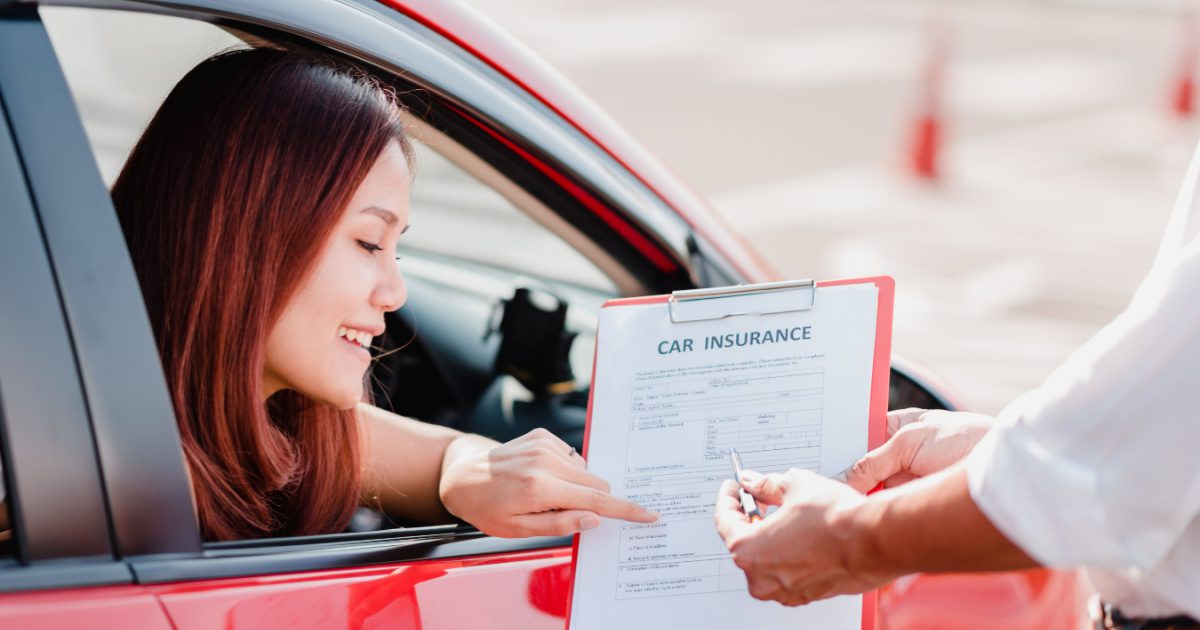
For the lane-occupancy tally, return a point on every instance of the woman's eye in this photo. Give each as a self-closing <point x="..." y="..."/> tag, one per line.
<point x="370" y="247"/>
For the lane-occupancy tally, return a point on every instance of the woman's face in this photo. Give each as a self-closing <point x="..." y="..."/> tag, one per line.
<point x="317" y="346"/>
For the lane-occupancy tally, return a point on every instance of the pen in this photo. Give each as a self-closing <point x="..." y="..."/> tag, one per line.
<point x="749" y="505"/>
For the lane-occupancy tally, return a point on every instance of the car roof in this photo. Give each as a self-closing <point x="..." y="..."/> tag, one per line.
<point x="479" y="36"/>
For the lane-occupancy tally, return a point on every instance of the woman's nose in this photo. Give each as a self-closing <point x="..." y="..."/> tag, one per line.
<point x="391" y="292"/>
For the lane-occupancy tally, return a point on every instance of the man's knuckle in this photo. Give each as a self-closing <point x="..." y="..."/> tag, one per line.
<point x="759" y="589"/>
<point x="741" y="555"/>
<point x="860" y="468"/>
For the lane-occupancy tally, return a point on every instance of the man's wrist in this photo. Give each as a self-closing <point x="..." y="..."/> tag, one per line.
<point x="864" y="551"/>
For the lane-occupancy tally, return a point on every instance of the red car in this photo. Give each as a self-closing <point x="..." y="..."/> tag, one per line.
<point x="104" y="529"/>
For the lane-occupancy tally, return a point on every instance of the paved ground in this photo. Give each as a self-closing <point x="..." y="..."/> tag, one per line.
<point x="792" y="117"/>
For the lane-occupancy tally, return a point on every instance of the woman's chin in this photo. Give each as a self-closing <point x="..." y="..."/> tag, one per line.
<point x="342" y="399"/>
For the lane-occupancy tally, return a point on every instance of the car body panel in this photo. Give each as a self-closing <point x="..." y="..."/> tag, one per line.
<point x="1034" y="599"/>
<point x="518" y="590"/>
<point x="99" y="607"/>
<point x="531" y="589"/>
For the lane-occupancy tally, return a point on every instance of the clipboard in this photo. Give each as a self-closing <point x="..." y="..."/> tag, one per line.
<point x="764" y="299"/>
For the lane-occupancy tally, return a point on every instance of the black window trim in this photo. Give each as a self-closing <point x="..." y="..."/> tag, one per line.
<point x="335" y="551"/>
<point x="54" y="490"/>
<point x="136" y="436"/>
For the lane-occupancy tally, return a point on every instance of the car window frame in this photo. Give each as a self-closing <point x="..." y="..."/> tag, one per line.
<point x="55" y="494"/>
<point x="479" y="109"/>
<point x="129" y="408"/>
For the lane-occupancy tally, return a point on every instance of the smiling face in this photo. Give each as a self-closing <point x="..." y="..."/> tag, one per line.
<point x="317" y="346"/>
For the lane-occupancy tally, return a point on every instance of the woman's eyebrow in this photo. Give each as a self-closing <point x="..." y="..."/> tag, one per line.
<point x="388" y="216"/>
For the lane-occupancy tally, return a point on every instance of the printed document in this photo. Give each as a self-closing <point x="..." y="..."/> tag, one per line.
<point x="669" y="400"/>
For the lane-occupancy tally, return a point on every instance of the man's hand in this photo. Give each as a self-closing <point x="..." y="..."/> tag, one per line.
<point x="797" y="554"/>
<point x="920" y="442"/>
<point x="534" y="485"/>
<point x="826" y="539"/>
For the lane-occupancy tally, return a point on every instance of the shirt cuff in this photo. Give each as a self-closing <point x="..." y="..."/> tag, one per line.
<point x="1043" y="502"/>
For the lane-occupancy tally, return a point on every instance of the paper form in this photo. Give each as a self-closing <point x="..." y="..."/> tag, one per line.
<point x="669" y="399"/>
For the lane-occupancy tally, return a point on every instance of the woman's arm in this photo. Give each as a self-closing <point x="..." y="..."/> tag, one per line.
<point x="404" y="460"/>
<point x="534" y="485"/>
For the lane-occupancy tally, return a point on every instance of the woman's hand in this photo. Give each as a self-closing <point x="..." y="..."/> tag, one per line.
<point x="920" y="442"/>
<point x="534" y="485"/>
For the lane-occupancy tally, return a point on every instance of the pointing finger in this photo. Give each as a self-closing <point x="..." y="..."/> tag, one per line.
<point x="573" y="472"/>
<point x="572" y="496"/>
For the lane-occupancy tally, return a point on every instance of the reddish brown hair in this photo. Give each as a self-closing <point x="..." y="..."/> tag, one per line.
<point x="226" y="200"/>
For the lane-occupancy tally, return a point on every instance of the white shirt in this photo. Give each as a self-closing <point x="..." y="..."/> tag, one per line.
<point x="1100" y="465"/>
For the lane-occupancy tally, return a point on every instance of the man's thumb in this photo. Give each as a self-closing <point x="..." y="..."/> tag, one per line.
<point x="768" y="489"/>
<point x="875" y="467"/>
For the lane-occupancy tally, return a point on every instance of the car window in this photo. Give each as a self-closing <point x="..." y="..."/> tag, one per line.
<point x="116" y="84"/>
<point x="454" y="214"/>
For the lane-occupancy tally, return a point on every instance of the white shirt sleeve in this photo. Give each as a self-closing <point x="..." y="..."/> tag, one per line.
<point x="1100" y="466"/>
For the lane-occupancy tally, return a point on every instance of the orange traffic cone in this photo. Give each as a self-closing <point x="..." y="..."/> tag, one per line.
<point x="1183" y="95"/>
<point x="927" y="129"/>
<point x="923" y="158"/>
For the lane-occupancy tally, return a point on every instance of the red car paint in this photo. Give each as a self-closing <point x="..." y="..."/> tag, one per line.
<point x="519" y="590"/>
<point x="72" y="609"/>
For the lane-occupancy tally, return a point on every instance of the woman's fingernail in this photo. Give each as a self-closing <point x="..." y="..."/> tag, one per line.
<point x="589" y="522"/>
<point x="749" y="476"/>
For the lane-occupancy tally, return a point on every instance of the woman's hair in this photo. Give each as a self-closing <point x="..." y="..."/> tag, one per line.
<point x="226" y="201"/>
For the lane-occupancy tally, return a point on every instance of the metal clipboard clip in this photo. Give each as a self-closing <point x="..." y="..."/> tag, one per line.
<point x="768" y="298"/>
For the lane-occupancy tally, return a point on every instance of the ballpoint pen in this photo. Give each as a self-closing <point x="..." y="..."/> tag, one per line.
<point x="749" y="505"/>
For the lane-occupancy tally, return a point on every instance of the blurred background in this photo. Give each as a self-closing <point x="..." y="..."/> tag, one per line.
<point x="1065" y="130"/>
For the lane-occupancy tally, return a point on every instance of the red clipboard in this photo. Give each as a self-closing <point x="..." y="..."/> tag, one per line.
<point x="877" y="414"/>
